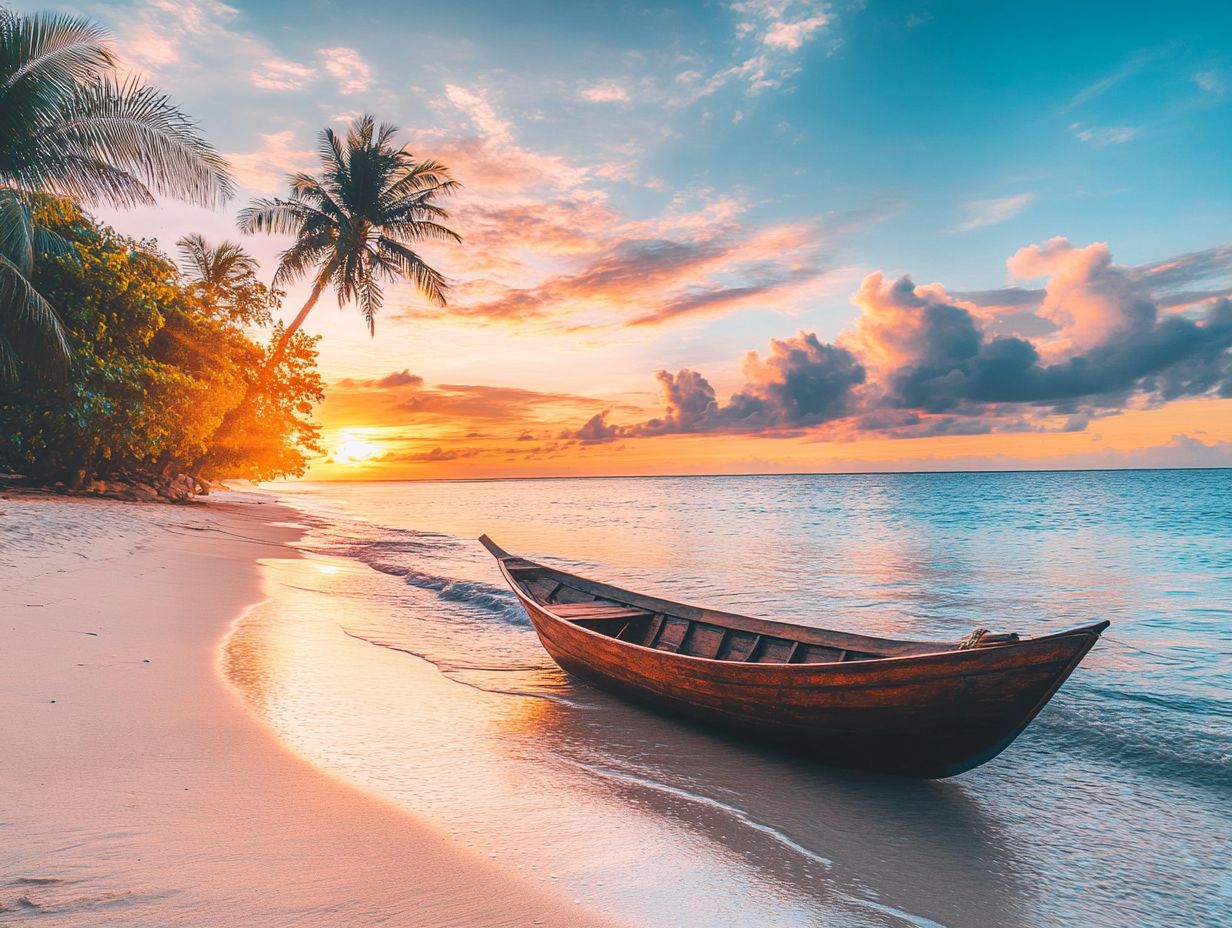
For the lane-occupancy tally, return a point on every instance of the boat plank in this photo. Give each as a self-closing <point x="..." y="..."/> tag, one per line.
<point x="739" y="645"/>
<point x="674" y="632"/>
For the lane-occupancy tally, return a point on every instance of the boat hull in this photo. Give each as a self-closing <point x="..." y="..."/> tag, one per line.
<point x="931" y="716"/>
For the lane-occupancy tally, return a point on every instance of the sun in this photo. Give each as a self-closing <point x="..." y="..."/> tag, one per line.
<point x="355" y="451"/>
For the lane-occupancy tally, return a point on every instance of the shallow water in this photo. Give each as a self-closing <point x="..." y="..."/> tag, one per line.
<point x="394" y="657"/>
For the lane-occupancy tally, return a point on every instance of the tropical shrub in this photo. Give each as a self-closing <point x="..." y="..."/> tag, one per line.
<point x="155" y="365"/>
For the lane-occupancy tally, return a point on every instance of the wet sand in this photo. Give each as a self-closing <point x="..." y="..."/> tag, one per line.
<point x="136" y="789"/>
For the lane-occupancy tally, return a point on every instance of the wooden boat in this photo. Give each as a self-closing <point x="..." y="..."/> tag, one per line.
<point x="920" y="708"/>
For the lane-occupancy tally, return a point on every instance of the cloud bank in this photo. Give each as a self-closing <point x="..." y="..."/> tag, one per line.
<point x="920" y="361"/>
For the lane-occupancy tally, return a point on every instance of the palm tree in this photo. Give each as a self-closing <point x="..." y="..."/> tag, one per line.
<point x="71" y="128"/>
<point x="354" y="225"/>
<point x="223" y="274"/>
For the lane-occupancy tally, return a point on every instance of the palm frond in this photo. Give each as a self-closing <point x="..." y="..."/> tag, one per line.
<point x="426" y="175"/>
<point x="52" y="244"/>
<point x="137" y="130"/>
<point x="45" y="56"/>
<point x="371" y="298"/>
<point x="430" y="282"/>
<point x="194" y="255"/>
<point x="30" y="327"/>
<point x="418" y="230"/>
<point x="16" y="231"/>
<point x="219" y="266"/>
<point x="277" y="217"/>
<point x="300" y="258"/>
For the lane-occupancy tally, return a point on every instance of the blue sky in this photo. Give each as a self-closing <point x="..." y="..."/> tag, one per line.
<point x="750" y="161"/>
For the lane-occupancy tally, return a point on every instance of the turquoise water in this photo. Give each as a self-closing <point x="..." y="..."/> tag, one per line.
<point x="1112" y="809"/>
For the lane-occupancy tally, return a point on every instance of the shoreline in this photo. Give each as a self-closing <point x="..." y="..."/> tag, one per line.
<point x="139" y="789"/>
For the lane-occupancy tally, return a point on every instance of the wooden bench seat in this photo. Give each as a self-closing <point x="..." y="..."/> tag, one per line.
<point x="596" y="611"/>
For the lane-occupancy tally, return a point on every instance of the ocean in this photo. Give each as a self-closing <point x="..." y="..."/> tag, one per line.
<point x="393" y="656"/>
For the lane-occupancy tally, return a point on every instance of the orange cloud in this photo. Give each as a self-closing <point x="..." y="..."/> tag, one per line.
<point x="265" y="169"/>
<point x="1087" y="297"/>
<point x="633" y="279"/>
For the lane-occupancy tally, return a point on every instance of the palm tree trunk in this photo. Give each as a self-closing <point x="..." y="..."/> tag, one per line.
<point x="259" y="386"/>
<point x="280" y="349"/>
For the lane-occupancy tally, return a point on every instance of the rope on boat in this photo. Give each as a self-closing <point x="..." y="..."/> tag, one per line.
<point x="972" y="640"/>
<point x="982" y="636"/>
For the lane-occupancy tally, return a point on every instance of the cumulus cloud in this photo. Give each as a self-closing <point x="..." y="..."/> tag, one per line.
<point x="281" y="74"/>
<point x="595" y="431"/>
<point x="920" y="361"/>
<point x="978" y="213"/>
<point x="1110" y="345"/>
<point x="348" y="68"/>
<point x="800" y="382"/>
<point x="1176" y="284"/>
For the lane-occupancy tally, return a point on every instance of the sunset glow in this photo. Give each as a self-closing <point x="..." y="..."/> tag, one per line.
<point x="355" y="451"/>
<point x="689" y="246"/>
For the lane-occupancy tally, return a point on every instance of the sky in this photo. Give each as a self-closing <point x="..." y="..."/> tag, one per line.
<point x="751" y="236"/>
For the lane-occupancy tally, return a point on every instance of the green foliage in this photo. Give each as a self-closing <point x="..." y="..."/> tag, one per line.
<point x="155" y="368"/>
<point x="69" y="127"/>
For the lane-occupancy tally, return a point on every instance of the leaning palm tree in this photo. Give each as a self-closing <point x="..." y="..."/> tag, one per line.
<point x="354" y="225"/>
<point x="71" y="128"/>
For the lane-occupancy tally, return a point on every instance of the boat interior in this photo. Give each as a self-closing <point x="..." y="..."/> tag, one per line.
<point x="680" y="629"/>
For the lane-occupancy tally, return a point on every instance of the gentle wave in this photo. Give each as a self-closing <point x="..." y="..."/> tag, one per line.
<point x="462" y="673"/>
<point x="732" y="812"/>
<point x="1172" y="744"/>
<point x="741" y="817"/>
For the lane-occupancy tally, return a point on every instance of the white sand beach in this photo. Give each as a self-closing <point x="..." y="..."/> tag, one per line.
<point x="136" y="789"/>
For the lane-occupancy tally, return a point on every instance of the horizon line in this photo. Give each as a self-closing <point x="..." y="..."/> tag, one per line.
<point x="864" y="473"/>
